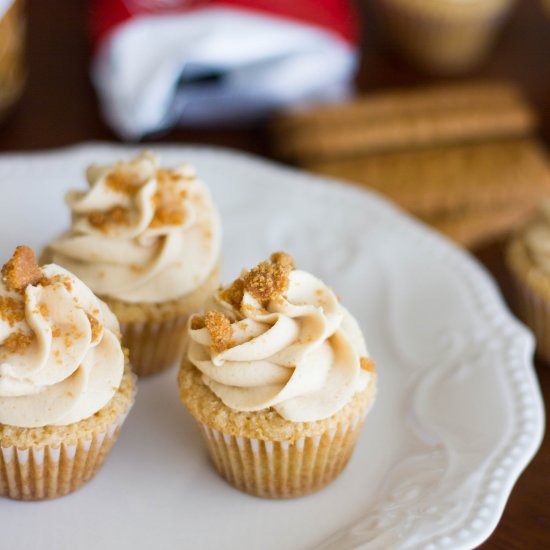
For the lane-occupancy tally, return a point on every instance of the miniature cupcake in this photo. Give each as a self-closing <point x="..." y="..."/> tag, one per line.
<point x="65" y="385"/>
<point x="146" y="240"/>
<point x="444" y="36"/>
<point x="277" y="374"/>
<point x="528" y="258"/>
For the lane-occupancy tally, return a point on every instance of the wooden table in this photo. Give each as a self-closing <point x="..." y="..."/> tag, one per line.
<point x="59" y="108"/>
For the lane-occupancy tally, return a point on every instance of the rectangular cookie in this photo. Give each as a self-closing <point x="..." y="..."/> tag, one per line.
<point x="440" y="180"/>
<point x="393" y="120"/>
<point x="474" y="227"/>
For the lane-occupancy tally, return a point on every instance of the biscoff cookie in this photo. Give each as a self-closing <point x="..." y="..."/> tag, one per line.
<point x="393" y="120"/>
<point x="439" y="180"/>
<point x="474" y="226"/>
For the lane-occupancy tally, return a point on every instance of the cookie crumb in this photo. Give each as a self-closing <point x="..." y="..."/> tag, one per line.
<point x="17" y="342"/>
<point x="124" y="184"/>
<point x="117" y="215"/>
<point x="12" y="310"/>
<point x="367" y="364"/>
<point x="219" y="327"/>
<point x="234" y="293"/>
<point x="268" y="280"/>
<point x="283" y="259"/>
<point x="197" y="322"/>
<point x="21" y="270"/>
<point x="95" y="326"/>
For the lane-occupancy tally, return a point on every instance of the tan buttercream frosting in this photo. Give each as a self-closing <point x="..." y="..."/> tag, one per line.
<point x="140" y="233"/>
<point x="278" y="337"/>
<point x="60" y="355"/>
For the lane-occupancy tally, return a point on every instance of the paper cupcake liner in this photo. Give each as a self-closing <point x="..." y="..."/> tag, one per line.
<point x="535" y="312"/>
<point x="46" y="472"/>
<point x="442" y="42"/>
<point x="154" y="346"/>
<point x="282" y="469"/>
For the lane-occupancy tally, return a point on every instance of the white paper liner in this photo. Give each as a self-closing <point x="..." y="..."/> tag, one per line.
<point x="282" y="469"/>
<point x="45" y="472"/>
<point x="154" y="346"/>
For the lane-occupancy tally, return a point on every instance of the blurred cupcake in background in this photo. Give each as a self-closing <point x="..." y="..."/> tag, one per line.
<point x="147" y="241"/>
<point x="65" y="382"/>
<point x="444" y="36"/>
<point x="528" y="258"/>
<point x="278" y="376"/>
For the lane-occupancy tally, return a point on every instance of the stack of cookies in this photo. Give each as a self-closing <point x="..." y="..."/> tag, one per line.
<point x="461" y="157"/>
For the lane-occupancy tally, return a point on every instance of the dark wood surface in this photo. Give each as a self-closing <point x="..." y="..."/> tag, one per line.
<point x="59" y="108"/>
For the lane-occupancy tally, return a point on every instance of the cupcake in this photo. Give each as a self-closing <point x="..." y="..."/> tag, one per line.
<point x="528" y="259"/>
<point x="277" y="374"/>
<point x="444" y="36"/>
<point x="146" y="240"/>
<point x="65" y="384"/>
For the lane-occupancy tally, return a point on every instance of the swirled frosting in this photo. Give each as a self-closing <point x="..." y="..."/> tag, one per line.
<point x="278" y="337"/>
<point x="536" y="237"/>
<point x="60" y="356"/>
<point x="140" y="233"/>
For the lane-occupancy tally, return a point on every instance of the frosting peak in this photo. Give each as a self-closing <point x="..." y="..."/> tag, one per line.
<point x="140" y="233"/>
<point x="278" y="337"/>
<point x="60" y="355"/>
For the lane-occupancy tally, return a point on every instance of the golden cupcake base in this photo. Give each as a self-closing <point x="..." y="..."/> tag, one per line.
<point x="282" y="469"/>
<point x="265" y="455"/>
<point x="47" y="472"/>
<point x="53" y="461"/>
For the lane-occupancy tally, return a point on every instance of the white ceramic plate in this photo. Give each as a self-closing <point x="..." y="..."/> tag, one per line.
<point x="458" y="415"/>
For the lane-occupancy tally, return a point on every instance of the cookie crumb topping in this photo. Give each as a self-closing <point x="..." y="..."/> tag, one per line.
<point x="367" y="364"/>
<point x="265" y="282"/>
<point x="219" y="327"/>
<point x="95" y="326"/>
<point x="17" y="342"/>
<point x="21" y="270"/>
<point x="103" y="220"/>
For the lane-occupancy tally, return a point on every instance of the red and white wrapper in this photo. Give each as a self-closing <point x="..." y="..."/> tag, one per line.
<point x="158" y="63"/>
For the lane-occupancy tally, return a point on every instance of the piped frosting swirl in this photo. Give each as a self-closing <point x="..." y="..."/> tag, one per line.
<point x="60" y="356"/>
<point x="140" y="233"/>
<point x="278" y="337"/>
